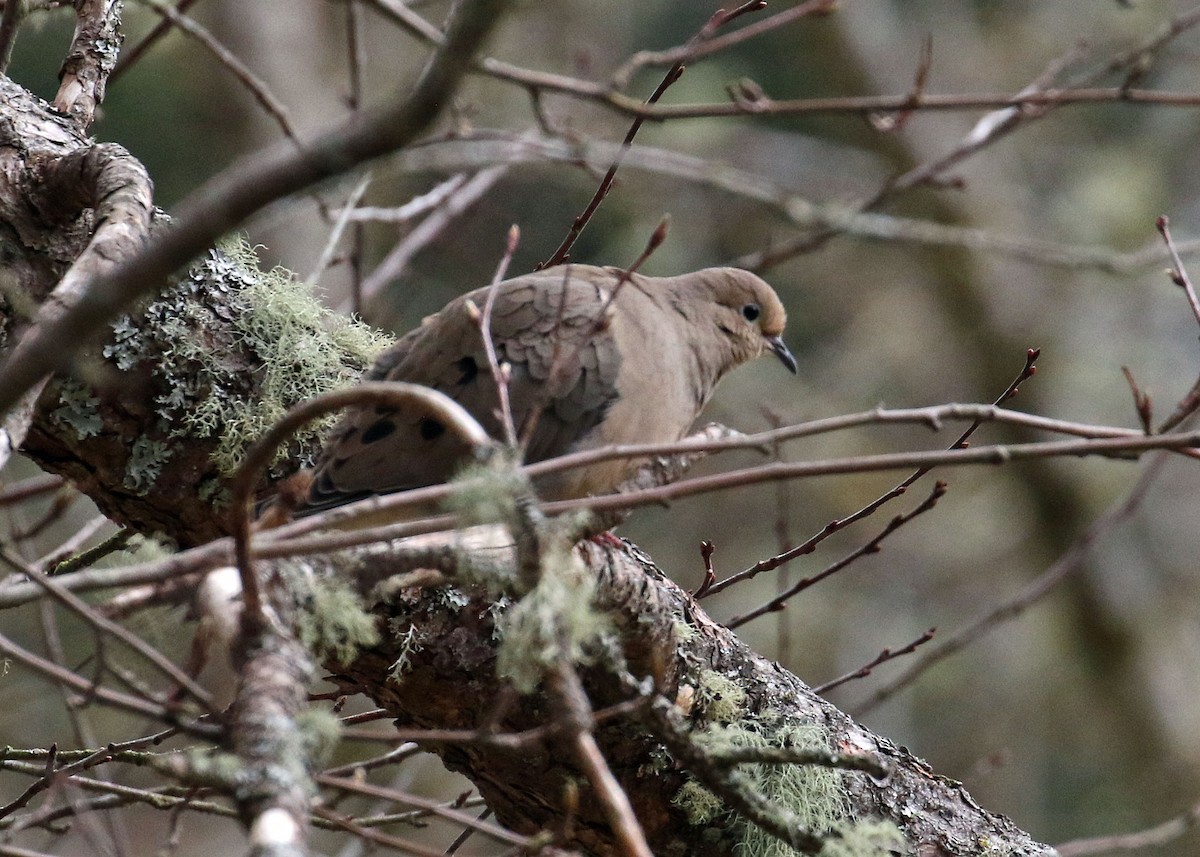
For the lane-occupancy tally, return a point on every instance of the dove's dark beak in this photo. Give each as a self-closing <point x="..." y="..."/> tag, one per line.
<point x="775" y="346"/>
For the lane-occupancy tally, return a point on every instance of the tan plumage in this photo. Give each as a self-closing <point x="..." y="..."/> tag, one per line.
<point x="640" y="374"/>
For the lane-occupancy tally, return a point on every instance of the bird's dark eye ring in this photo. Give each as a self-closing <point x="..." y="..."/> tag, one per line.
<point x="751" y="312"/>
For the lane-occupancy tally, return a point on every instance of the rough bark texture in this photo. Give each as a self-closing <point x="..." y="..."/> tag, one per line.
<point x="142" y="425"/>
<point x="437" y="666"/>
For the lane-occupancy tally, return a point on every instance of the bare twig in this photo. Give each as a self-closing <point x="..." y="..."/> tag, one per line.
<point x="453" y="198"/>
<point x="500" y="373"/>
<point x="254" y="84"/>
<point x="882" y="658"/>
<point x="88" y="614"/>
<point x="714" y="23"/>
<point x="134" y="54"/>
<point x="576" y="713"/>
<point x="696" y="49"/>
<point x="434" y="807"/>
<point x="90" y="690"/>
<point x="835" y="526"/>
<point x="344" y="217"/>
<point x="18" y="492"/>
<point x="1179" y="275"/>
<point x="781" y="599"/>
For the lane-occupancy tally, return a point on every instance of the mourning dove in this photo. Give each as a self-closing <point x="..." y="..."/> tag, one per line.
<point x="592" y="370"/>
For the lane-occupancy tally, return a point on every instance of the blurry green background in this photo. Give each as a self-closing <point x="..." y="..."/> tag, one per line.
<point x="1079" y="718"/>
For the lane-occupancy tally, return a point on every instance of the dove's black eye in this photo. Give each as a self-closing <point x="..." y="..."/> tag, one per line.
<point x="751" y="312"/>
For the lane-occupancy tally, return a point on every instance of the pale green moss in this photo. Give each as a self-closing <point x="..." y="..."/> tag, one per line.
<point x="331" y="621"/>
<point x="233" y="347"/>
<point x="719" y="697"/>
<point x="814" y="795"/>
<point x="699" y="804"/>
<point x="996" y="848"/>
<point x="555" y="619"/>
<point x="320" y="730"/>
<point x="683" y="632"/>
<point x="486" y="492"/>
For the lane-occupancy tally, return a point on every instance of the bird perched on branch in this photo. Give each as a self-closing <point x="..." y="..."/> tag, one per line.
<point x="594" y="357"/>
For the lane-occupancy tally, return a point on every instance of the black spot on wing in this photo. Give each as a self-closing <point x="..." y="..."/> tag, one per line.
<point x="469" y="369"/>
<point x="378" y="431"/>
<point x="431" y="429"/>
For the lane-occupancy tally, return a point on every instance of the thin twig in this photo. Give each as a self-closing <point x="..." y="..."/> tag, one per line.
<point x="461" y="196"/>
<point x="882" y="658"/>
<point x="718" y="20"/>
<point x="780" y="600"/>
<point x="1160" y="834"/>
<point x="1179" y="275"/>
<point x="575" y="712"/>
<point x="80" y="608"/>
<point x="434" y="807"/>
<point x="130" y="56"/>
<point x="256" y="85"/>
<point x="343" y="220"/>
<point x="501" y="374"/>
<point x="447" y="411"/>
<point x="561" y="359"/>
<point x="90" y="690"/>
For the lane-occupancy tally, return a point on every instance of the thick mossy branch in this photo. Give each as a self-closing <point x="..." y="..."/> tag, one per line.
<point x="185" y="384"/>
<point x="232" y="347"/>
<point x="723" y="695"/>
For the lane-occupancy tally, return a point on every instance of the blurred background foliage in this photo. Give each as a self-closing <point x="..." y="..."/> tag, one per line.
<point x="1081" y="716"/>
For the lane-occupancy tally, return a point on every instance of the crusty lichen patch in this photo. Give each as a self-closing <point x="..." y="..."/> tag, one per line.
<point x="232" y="347"/>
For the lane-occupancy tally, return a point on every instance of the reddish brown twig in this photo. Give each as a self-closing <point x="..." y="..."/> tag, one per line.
<point x="560" y="359"/>
<point x="710" y="577"/>
<point x="1037" y="589"/>
<point x="1141" y="401"/>
<point x="719" y="19"/>
<point x="500" y="373"/>
<point x="882" y="658"/>
<point x="1179" y="274"/>
<point x="780" y="600"/>
<point x="896" y="122"/>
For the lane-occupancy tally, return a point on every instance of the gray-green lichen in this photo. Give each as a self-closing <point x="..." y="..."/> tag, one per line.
<point x="719" y="697"/>
<point x="233" y="347"/>
<point x="553" y="620"/>
<point x="815" y="795"/>
<point x="410" y="644"/>
<point x="146" y="460"/>
<point x="78" y="409"/>
<point x="330" y="619"/>
<point x="320" y="732"/>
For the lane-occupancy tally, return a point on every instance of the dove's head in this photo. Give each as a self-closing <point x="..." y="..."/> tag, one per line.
<point x="748" y="315"/>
